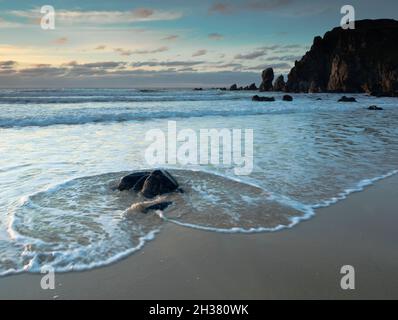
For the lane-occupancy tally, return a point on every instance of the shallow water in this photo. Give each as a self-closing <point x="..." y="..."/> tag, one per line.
<point x="61" y="151"/>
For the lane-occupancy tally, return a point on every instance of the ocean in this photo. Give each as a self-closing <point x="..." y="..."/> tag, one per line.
<point x="62" y="153"/>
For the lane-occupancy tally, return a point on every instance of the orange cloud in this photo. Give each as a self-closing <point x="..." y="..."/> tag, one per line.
<point x="61" y="40"/>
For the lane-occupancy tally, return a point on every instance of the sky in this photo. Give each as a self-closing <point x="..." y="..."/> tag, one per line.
<point x="161" y="43"/>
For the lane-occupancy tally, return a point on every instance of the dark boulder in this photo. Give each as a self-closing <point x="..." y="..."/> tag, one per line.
<point x="251" y="87"/>
<point x="347" y="99"/>
<point x="159" y="182"/>
<point x="267" y="77"/>
<point x="234" y="87"/>
<point x="268" y="99"/>
<point x="158" y="206"/>
<point x="375" y="108"/>
<point x="279" y="84"/>
<point x="286" y="97"/>
<point x="128" y="182"/>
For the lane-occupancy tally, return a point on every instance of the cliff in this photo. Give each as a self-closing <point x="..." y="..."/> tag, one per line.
<point x="361" y="60"/>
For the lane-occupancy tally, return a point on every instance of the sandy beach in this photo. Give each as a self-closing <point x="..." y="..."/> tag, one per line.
<point x="297" y="263"/>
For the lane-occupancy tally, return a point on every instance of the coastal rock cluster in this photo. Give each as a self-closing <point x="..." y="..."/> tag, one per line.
<point x="361" y="60"/>
<point x="150" y="185"/>
<point x="251" y="87"/>
<point x="267" y="84"/>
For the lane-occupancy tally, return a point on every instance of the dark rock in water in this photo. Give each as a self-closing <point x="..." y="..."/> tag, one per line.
<point x="268" y="99"/>
<point x="198" y="89"/>
<point x="279" y="84"/>
<point x="382" y="95"/>
<point x="347" y="99"/>
<point x="318" y="99"/>
<point x="234" y="87"/>
<point x="268" y="77"/>
<point x="375" y="108"/>
<point x="159" y="182"/>
<point x="151" y="184"/>
<point x="158" y="206"/>
<point x="128" y="182"/>
<point x="362" y="60"/>
<point x="140" y="183"/>
<point x="286" y="97"/>
<point x="251" y="87"/>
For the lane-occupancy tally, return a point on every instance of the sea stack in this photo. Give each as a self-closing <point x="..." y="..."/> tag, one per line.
<point x="268" y="77"/>
<point x="279" y="84"/>
<point x="361" y="60"/>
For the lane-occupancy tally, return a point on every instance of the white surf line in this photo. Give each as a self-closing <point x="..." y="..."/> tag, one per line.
<point x="360" y="186"/>
<point x="308" y="209"/>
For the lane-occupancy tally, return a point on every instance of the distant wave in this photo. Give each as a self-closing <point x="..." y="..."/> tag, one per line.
<point x="113" y="98"/>
<point x="85" y="118"/>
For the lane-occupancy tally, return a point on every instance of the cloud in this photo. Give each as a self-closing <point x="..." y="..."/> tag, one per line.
<point x="61" y="41"/>
<point x="103" y="65"/>
<point x="170" y="37"/>
<point x="143" y="13"/>
<point x="222" y="8"/>
<point x="267" y="5"/>
<point x="42" y="71"/>
<point x="229" y="65"/>
<point x="9" y="24"/>
<point x="284" y="58"/>
<point x="130" y="79"/>
<point x="101" y="17"/>
<point x="198" y="53"/>
<point x="279" y="66"/>
<point x="286" y="7"/>
<point x="127" y="52"/>
<point x="166" y="63"/>
<point x="251" y="55"/>
<point x="293" y="46"/>
<point x="6" y="65"/>
<point x="215" y="36"/>
<point x="157" y="50"/>
<point x="100" y="47"/>
<point x="124" y="52"/>
<point x="187" y="70"/>
<point x="249" y="5"/>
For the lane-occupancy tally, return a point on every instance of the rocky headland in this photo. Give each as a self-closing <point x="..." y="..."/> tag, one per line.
<point x="361" y="60"/>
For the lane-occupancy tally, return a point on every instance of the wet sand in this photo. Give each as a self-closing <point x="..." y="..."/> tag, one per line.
<point x="301" y="262"/>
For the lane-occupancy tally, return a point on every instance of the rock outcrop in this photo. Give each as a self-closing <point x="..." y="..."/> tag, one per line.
<point x="128" y="182"/>
<point x="279" y="84"/>
<point x="158" y="206"/>
<point x="347" y="99"/>
<point x="159" y="182"/>
<point x="375" y="108"/>
<point x="150" y="184"/>
<point x="268" y="77"/>
<point x="361" y="60"/>
<point x="251" y="87"/>
<point x="287" y="97"/>
<point x="267" y="99"/>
